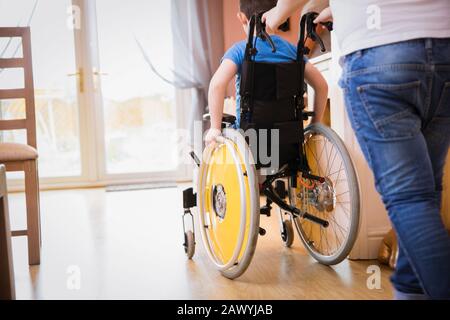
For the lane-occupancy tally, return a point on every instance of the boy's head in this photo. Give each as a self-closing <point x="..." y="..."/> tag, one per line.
<point x="248" y="8"/>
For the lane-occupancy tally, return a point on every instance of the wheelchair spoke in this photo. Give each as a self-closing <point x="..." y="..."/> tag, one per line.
<point x="334" y="227"/>
<point x="330" y="163"/>
<point x="328" y="159"/>
<point x="325" y="231"/>
<point x="346" y="210"/>
<point x="339" y="173"/>
<point x="326" y="240"/>
<point x="320" y="157"/>
<point x="337" y="238"/>
<point x="335" y="172"/>
<point x="320" y="242"/>
<point x="312" y="152"/>
<point x="338" y="225"/>
<point x="343" y="193"/>
<point x="340" y="181"/>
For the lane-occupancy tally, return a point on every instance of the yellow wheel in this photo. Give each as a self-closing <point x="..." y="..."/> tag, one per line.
<point x="228" y="202"/>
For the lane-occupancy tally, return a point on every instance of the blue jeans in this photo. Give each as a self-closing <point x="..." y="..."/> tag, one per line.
<point x="398" y="101"/>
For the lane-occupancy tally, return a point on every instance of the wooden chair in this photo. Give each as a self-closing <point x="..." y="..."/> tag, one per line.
<point x="7" y="289"/>
<point x="23" y="157"/>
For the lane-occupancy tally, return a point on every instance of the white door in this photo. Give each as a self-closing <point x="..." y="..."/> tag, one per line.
<point x="137" y="114"/>
<point x="102" y="115"/>
<point x="59" y="98"/>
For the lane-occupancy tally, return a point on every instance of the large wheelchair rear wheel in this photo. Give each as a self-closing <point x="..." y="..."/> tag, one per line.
<point x="336" y="200"/>
<point x="228" y="202"/>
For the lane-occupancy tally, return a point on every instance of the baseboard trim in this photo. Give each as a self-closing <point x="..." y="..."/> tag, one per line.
<point x="375" y="237"/>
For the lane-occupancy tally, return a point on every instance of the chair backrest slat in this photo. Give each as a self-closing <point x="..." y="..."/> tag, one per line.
<point x="27" y="93"/>
<point x="12" y="63"/>
<point x="13" y="94"/>
<point x="11" y="32"/>
<point x="15" y="124"/>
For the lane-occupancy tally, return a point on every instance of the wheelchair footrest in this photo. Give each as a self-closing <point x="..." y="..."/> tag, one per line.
<point x="189" y="198"/>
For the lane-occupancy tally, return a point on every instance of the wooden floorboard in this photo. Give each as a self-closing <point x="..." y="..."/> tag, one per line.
<point x="127" y="245"/>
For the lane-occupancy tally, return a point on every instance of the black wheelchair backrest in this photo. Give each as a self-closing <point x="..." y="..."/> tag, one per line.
<point x="272" y="94"/>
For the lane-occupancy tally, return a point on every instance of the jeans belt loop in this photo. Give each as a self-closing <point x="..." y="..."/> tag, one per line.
<point x="428" y="43"/>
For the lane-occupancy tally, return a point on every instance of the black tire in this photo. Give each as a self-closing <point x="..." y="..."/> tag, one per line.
<point x="189" y="244"/>
<point x="287" y="236"/>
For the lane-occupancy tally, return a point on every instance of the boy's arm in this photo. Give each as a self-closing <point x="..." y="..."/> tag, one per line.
<point x="315" y="79"/>
<point x="216" y="96"/>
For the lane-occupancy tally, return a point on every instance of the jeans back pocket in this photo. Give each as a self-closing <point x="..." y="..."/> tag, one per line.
<point x="443" y="110"/>
<point x="439" y="126"/>
<point x="392" y="108"/>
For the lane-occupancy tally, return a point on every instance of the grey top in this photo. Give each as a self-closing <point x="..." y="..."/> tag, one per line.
<point x="362" y="24"/>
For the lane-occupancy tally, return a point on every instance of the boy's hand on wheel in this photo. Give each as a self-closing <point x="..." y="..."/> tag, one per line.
<point x="211" y="136"/>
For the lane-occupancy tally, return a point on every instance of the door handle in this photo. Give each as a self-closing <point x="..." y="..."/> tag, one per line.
<point x="97" y="74"/>
<point x="80" y="76"/>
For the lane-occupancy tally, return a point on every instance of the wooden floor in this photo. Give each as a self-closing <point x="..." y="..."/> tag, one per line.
<point x="127" y="245"/>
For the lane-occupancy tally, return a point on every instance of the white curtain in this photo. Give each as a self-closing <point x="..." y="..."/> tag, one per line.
<point x="198" y="44"/>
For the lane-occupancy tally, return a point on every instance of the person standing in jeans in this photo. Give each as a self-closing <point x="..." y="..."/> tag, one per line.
<point x="396" y="81"/>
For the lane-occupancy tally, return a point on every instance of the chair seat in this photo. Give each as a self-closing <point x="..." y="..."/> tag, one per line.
<point x="10" y="152"/>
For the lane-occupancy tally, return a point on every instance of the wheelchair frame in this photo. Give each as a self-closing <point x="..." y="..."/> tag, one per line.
<point x="278" y="194"/>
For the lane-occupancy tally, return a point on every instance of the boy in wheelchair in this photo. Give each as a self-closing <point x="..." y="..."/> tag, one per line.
<point x="231" y="67"/>
<point x="322" y="191"/>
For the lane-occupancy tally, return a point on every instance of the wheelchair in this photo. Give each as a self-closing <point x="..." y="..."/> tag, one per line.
<point x="314" y="183"/>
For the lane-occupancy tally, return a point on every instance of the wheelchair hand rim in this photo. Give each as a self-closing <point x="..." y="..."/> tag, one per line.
<point x="253" y="213"/>
<point x="202" y="184"/>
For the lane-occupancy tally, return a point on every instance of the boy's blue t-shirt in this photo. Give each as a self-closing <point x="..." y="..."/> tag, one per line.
<point x="286" y="52"/>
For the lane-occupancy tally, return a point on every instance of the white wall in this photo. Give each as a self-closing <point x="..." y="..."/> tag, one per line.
<point x="374" y="220"/>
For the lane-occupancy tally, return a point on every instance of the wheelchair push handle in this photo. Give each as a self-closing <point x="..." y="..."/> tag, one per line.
<point x="328" y="25"/>
<point x="262" y="32"/>
<point x="308" y="29"/>
<point x="257" y="24"/>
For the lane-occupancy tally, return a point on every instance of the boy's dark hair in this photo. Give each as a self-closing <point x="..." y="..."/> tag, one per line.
<point x="252" y="7"/>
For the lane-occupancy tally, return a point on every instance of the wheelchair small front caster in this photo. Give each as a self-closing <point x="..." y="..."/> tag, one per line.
<point x="189" y="244"/>
<point x="189" y="201"/>
<point x="287" y="235"/>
